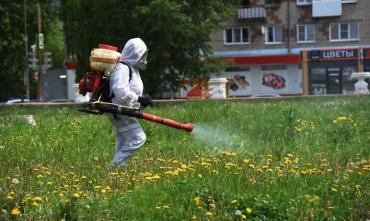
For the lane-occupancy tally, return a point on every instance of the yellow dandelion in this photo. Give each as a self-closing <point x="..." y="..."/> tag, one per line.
<point x="234" y="201"/>
<point x="194" y="217"/>
<point x="15" y="211"/>
<point x="248" y="210"/>
<point x="34" y="203"/>
<point x="209" y="214"/>
<point x="358" y="187"/>
<point x="212" y="205"/>
<point x="197" y="201"/>
<point x="76" y="195"/>
<point x="334" y="190"/>
<point x="244" y="216"/>
<point x="9" y="197"/>
<point x="342" y="118"/>
<point x="37" y="199"/>
<point x="200" y="175"/>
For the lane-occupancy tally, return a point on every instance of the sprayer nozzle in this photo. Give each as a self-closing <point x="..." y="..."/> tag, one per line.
<point x="188" y="127"/>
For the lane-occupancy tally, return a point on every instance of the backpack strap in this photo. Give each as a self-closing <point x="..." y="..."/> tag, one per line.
<point x="130" y="77"/>
<point x="129" y="69"/>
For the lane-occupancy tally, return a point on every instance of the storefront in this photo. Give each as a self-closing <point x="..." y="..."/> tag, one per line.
<point x="329" y="71"/>
<point x="265" y="75"/>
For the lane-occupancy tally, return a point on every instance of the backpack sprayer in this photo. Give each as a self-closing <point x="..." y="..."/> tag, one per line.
<point x="103" y="60"/>
<point x="99" y="107"/>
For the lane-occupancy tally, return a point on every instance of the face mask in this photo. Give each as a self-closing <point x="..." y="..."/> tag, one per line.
<point x="141" y="64"/>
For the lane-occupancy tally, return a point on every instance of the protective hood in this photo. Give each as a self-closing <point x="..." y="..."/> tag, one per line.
<point x="133" y="51"/>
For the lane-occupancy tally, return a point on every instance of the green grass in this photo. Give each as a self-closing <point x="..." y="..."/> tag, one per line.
<point x="298" y="159"/>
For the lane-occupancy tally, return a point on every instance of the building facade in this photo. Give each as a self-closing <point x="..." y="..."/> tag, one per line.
<point x="295" y="47"/>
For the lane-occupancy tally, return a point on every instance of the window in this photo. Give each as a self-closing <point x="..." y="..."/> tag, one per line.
<point x="236" y="36"/>
<point x="304" y="2"/>
<point x="305" y="33"/>
<point x="273" y="35"/>
<point x="344" y="31"/>
<point x="318" y="81"/>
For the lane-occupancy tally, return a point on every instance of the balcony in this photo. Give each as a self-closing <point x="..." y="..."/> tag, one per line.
<point x="252" y="13"/>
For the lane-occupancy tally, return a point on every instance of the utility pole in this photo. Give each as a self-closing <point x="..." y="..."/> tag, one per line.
<point x="26" y="76"/>
<point x="40" y="47"/>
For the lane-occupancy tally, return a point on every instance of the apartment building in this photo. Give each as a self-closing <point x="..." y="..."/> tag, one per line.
<point x="295" y="47"/>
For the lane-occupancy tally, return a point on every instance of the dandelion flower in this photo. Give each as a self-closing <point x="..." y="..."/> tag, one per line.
<point x="194" y="217"/>
<point x="248" y="210"/>
<point x="238" y="212"/>
<point x="209" y="214"/>
<point x="15" y="212"/>
<point x="244" y="216"/>
<point x="234" y="202"/>
<point x="197" y="201"/>
<point x="37" y="199"/>
<point x="212" y="205"/>
<point x="34" y="203"/>
<point x="15" y="181"/>
<point x="76" y="195"/>
<point x="9" y="197"/>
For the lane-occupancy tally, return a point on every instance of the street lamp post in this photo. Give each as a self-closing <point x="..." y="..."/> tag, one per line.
<point x="26" y="75"/>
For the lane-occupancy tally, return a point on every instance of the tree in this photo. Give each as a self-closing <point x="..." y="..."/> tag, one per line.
<point x="176" y="32"/>
<point x="12" y="46"/>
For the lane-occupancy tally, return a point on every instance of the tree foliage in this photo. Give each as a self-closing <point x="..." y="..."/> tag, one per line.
<point x="12" y="44"/>
<point x="176" y="32"/>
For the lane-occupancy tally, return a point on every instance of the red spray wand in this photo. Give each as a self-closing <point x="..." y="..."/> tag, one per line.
<point x="103" y="107"/>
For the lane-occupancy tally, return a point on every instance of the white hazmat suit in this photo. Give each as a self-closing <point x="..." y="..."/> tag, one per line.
<point x="129" y="134"/>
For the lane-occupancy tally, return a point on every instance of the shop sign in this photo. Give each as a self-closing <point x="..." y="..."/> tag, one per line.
<point x="334" y="54"/>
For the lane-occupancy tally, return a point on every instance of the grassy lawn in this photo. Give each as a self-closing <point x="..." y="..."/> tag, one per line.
<point x="299" y="159"/>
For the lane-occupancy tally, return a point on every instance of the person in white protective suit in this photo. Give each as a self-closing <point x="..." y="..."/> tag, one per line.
<point x="128" y="91"/>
